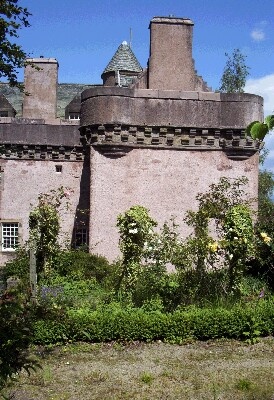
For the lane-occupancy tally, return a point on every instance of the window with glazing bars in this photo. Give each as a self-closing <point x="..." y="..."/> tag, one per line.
<point x="81" y="237"/>
<point x="10" y="235"/>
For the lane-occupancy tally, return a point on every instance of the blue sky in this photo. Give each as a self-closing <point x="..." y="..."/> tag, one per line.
<point x="83" y="35"/>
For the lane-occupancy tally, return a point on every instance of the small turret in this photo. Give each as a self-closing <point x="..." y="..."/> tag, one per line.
<point x="123" y="68"/>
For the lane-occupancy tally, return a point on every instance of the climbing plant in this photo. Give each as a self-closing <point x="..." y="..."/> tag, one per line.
<point x="229" y="242"/>
<point x="44" y="223"/>
<point x="238" y="242"/>
<point x="136" y="230"/>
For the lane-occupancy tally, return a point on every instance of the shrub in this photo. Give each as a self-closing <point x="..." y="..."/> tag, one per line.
<point x="79" y="264"/>
<point x="15" y="335"/>
<point x="113" y="323"/>
<point x="17" y="267"/>
<point x="62" y="292"/>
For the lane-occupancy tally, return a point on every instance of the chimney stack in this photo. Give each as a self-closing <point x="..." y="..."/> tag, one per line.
<point x="170" y="65"/>
<point x="40" y="100"/>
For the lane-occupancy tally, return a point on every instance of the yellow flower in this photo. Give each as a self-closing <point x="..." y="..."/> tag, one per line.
<point x="265" y="237"/>
<point x="213" y="246"/>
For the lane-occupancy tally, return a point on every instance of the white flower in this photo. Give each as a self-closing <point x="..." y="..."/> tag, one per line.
<point x="230" y="256"/>
<point x="134" y="230"/>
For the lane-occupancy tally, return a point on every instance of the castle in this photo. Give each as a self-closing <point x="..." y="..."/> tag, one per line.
<point x="154" y="136"/>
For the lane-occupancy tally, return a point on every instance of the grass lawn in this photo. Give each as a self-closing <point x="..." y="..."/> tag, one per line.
<point x="215" y="370"/>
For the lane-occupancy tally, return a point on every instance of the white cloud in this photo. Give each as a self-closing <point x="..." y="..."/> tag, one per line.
<point x="263" y="87"/>
<point x="257" y="35"/>
<point x="269" y="144"/>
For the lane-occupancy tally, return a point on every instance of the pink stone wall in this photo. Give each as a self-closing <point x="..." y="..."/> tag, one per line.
<point x="23" y="180"/>
<point x="164" y="181"/>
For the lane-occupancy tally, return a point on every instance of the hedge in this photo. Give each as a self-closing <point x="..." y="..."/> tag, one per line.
<point x="239" y="322"/>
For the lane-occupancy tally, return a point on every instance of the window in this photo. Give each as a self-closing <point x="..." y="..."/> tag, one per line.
<point x="9" y="235"/>
<point x="74" y="115"/>
<point x="58" y="168"/>
<point x="4" y="114"/>
<point x="80" y="237"/>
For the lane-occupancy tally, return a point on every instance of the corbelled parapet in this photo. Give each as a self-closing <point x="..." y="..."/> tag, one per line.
<point x="27" y="139"/>
<point x="116" y="140"/>
<point x="175" y="119"/>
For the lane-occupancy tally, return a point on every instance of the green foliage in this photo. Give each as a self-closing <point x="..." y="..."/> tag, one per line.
<point x="262" y="263"/>
<point x="135" y="228"/>
<point x="224" y="206"/>
<point x="78" y="264"/>
<point x="241" y="321"/>
<point x="252" y="332"/>
<point x="207" y="268"/>
<point x="48" y="331"/>
<point x="258" y="130"/>
<point x="235" y="73"/>
<point x="269" y="121"/>
<point x="239" y="242"/>
<point x="57" y="294"/>
<point x="221" y="196"/>
<point x="17" y="267"/>
<point x="15" y="336"/>
<point x="146" y="377"/>
<point x="44" y="223"/>
<point x="12" y="18"/>
<point x="244" y="384"/>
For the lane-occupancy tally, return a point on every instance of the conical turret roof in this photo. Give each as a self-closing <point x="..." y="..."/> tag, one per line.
<point x="123" y="60"/>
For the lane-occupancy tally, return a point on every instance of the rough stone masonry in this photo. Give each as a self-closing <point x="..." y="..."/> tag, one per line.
<point x="154" y="137"/>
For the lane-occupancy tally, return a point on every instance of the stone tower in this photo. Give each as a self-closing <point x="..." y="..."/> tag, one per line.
<point x="161" y="145"/>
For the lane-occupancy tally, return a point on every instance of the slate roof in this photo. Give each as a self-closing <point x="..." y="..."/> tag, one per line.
<point x="65" y="93"/>
<point x="5" y="104"/>
<point x="123" y="60"/>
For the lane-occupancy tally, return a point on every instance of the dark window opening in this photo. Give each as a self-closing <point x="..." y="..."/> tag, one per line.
<point x="74" y="115"/>
<point x="80" y="237"/>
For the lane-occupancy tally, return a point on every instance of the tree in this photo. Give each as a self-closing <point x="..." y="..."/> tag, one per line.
<point x="265" y="225"/>
<point x="12" y="18"/>
<point x="235" y="73"/>
<point x="258" y="130"/>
